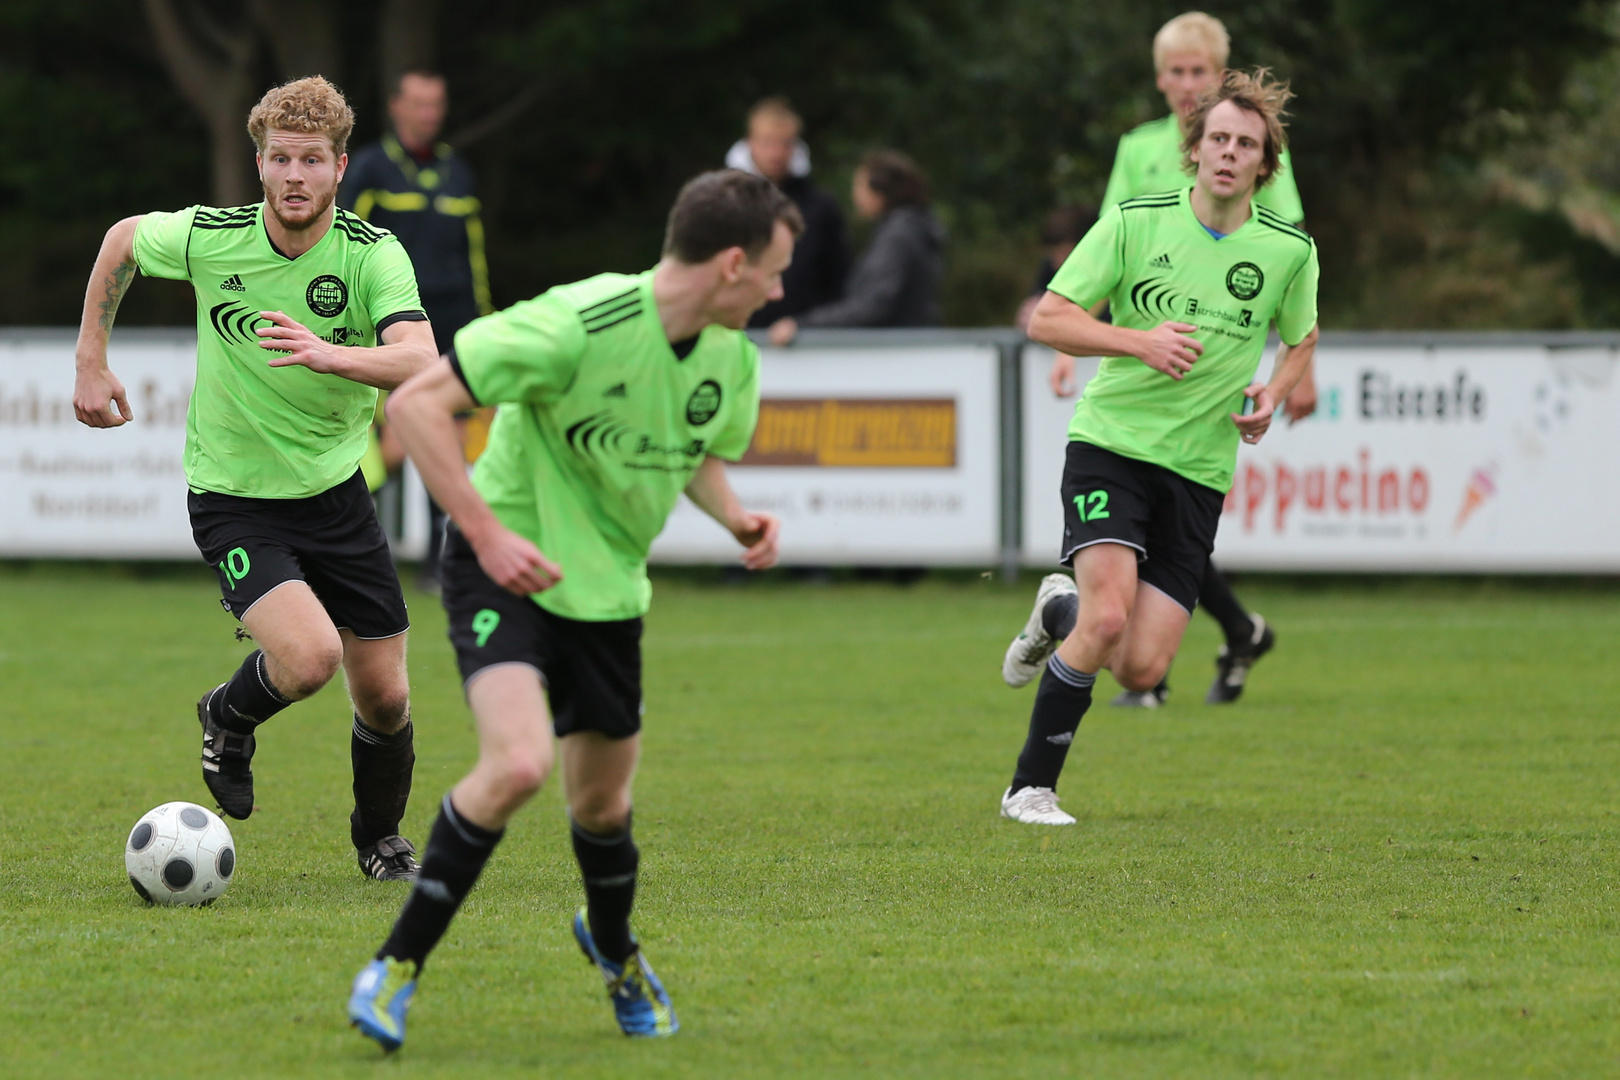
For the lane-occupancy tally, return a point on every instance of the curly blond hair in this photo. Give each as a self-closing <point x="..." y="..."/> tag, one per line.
<point x="1259" y="94"/>
<point x="309" y="106"/>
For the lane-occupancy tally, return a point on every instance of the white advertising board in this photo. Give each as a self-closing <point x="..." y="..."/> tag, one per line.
<point x="71" y="491"/>
<point x="877" y="456"/>
<point x="1471" y="458"/>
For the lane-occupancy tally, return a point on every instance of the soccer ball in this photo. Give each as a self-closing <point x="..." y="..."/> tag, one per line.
<point x="180" y="853"/>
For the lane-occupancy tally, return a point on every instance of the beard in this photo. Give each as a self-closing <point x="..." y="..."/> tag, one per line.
<point x="321" y="205"/>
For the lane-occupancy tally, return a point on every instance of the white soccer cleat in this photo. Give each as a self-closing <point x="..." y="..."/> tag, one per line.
<point x="1034" y="806"/>
<point x="1033" y="645"/>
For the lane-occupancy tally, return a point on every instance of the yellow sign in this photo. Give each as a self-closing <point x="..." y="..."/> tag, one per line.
<point x="855" y="433"/>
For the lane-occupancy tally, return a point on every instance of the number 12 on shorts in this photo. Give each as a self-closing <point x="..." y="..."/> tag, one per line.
<point x="1091" y="506"/>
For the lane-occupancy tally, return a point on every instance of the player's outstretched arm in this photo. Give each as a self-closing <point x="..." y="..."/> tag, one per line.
<point x="757" y="532"/>
<point x="1291" y="367"/>
<point x="422" y="413"/>
<point x="1063" y="325"/>
<point x="407" y="347"/>
<point x="99" y="399"/>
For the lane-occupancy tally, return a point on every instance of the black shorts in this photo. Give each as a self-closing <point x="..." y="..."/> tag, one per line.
<point x="1170" y="521"/>
<point x="331" y="541"/>
<point x="591" y="670"/>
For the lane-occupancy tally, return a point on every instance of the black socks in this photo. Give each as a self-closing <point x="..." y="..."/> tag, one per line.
<point x="1059" y="615"/>
<point x="1061" y="700"/>
<point x="1217" y="598"/>
<point x="608" y="865"/>
<point x="248" y="699"/>
<point x="456" y="852"/>
<point x="382" y="781"/>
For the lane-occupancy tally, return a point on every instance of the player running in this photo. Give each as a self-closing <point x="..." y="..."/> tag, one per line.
<point x="1189" y="54"/>
<point x="1194" y="278"/>
<point x="616" y="394"/>
<point x="303" y="312"/>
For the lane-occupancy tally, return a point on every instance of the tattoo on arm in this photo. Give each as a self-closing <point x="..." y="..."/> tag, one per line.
<point x="117" y="284"/>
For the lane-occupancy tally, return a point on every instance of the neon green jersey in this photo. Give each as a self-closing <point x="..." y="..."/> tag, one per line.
<point x="600" y="427"/>
<point x="1155" y="262"/>
<point x="1149" y="160"/>
<point x="255" y="430"/>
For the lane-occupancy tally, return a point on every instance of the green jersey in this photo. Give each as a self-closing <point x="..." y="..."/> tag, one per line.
<point x="1149" y="160"/>
<point x="1155" y="262"/>
<point x="601" y="424"/>
<point x="255" y="430"/>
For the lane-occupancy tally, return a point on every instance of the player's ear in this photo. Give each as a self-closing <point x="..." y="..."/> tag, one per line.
<point x="731" y="263"/>
<point x="342" y="166"/>
<point x="258" y="163"/>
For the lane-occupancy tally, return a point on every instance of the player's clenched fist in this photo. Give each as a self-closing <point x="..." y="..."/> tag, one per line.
<point x="1170" y="348"/>
<point x="99" y="399"/>
<point x="758" y="533"/>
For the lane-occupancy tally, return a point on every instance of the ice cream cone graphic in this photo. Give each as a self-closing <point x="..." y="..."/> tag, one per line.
<point x="1481" y="486"/>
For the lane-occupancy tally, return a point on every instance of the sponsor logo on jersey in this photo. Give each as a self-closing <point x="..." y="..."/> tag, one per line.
<point x="327" y="296"/>
<point x="341" y="335"/>
<point x="1162" y="262"/>
<point x="234" y="322"/>
<point x="1155" y="299"/>
<point x="600" y="435"/>
<point x="616" y="390"/>
<point x="704" y="403"/>
<point x="233" y="284"/>
<point x="1245" y="281"/>
<point x="1243" y="317"/>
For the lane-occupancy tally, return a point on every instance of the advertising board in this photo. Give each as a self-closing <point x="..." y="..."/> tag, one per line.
<point x="1471" y="457"/>
<point x="869" y="455"/>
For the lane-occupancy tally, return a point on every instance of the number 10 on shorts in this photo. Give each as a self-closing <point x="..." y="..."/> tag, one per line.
<point x="1091" y="506"/>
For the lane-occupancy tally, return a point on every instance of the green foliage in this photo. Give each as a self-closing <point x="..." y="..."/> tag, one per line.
<point x="1012" y="105"/>
<point x="1393" y="858"/>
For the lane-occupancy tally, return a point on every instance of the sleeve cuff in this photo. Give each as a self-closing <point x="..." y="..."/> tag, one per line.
<point x="455" y="368"/>
<point x="401" y="316"/>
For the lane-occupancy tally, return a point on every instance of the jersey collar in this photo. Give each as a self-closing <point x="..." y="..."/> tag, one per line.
<point x="1241" y="230"/>
<point x="656" y="324"/>
<point x="269" y="246"/>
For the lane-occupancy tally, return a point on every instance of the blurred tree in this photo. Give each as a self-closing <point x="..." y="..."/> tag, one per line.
<point x="584" y="116"/>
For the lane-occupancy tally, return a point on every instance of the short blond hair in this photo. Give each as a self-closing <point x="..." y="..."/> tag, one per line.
<point x="1192" y="31"/>
<point x="309" y="106"/>
<point x="1257" y="93"/>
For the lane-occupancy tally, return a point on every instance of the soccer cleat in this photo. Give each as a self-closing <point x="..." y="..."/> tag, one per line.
<point x="226" y="762"/>
<point x="1033" y="645"/>
<point x="381" y="995"/>
<point x="639" y="1000"/>
<point x="1232" y="665"/>
<point x="1034" y="806"/>
<point x="393" y="858"/>
<point x="1144" y="699"/>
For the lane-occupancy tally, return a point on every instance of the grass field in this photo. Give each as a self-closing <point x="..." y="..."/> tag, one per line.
<point x="1396" y="857"/>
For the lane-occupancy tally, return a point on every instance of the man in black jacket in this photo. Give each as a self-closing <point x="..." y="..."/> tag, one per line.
<point x="775" y="150"/>
<point x="422" y="191"/>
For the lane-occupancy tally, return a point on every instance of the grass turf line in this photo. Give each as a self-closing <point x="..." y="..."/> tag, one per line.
<point x="1394" y="857"/>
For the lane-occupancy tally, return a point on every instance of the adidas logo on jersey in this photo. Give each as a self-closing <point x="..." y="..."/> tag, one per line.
<point x="233" y="284"/>
<point x="1162" y="262"/>
<point x="616" y="391"/>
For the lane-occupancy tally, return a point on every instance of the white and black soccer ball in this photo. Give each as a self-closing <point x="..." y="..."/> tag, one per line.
<point x="180" y="853"/>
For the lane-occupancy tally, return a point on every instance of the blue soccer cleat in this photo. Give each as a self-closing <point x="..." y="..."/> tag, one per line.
<point x="640" y="1002"/>
<point x="382" y="992"/>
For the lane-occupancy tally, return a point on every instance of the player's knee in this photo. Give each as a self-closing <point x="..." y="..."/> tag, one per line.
<point x="1103" y="623"/>
<point x="518" y="776"/>
<point x="307" y="666"/>
<point x="388" y="713"/>
<point x="1138" y="677"/>
<point x="603" y="813"/>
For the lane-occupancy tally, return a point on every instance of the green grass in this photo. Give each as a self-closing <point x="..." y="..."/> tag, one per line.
<point x="1396" y="857"/>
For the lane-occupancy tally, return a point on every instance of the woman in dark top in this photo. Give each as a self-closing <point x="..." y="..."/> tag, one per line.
<point x="897" y="280"/>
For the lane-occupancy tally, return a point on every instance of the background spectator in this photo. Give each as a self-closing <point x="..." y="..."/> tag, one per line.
<point x="897" y="280"/>
<point x="423" y="192"/>
<point x="775" y="150"/>
<point x="1060" y="232"/>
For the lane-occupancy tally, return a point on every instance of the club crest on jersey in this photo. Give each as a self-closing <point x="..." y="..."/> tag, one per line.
<point x="1245" y="281"/>
<point x="704" y="403"/>
<point x="327" y="296"/>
